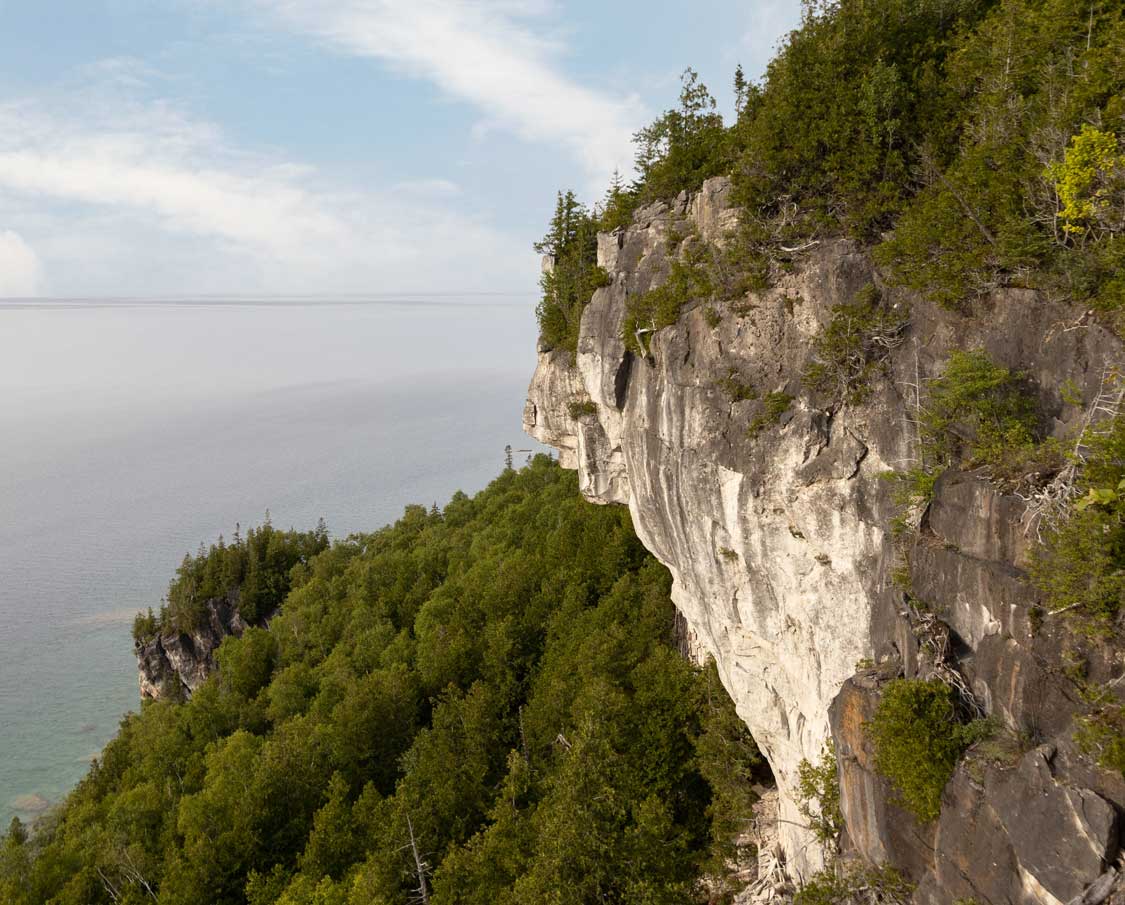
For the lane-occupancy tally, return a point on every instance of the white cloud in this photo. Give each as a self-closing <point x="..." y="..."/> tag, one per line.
<point x="136" y="198"/>
<point x="21" y="274"/>
<point x="485" y="53"/>
<point x="428" y="187"/>
<point x="165" y="166"/>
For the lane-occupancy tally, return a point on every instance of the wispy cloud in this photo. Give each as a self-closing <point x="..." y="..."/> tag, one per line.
<point x="155" y="174"/>
<point x="487" y="53"/>
<point x="125" y="195"/>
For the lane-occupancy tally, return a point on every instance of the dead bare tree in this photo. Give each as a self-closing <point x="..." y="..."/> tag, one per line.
<point x="421" y="867"/>
<point x="1048" y="505"/>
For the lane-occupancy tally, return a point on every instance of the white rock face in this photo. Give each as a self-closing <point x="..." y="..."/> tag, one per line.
<point x="775" y="541"/>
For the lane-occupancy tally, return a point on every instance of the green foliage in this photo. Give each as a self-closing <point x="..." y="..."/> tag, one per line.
<point x="773" y="407"/>
<point x="496" y="679"/>
<point x="618" y="206"/>
<point x="145" y="627"/>
<point x="1101" y="735"/>
<point x="253" y="571"/>
<point x="580" y="408"/>
<point x="684" y="146"/>
<point x="1034" y="99"/>
<point x="573" y="275"/>
<point x="977" y="413"/>
<point x="829" y="143"/>
<point x="853" y="348"/>
<point x="728" y="760"/>
<point x="818" y="787"/>
<point x="914" y="487"/>
<point x="737" y="388"/>
<point x="918" y="741"/>
<point x="1080" y="566"/>
<point x="985" y="133"/>
<point x="855" y="884"/>
<point x="689" y="279"/>
<point x="1090" y="183"/>
<point x="15" y="865"/>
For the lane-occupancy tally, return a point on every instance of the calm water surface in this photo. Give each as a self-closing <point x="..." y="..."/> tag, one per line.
<point x="132" y="431"/>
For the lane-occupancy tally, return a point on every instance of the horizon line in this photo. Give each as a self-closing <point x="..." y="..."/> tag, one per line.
<point x="267" y="296"/>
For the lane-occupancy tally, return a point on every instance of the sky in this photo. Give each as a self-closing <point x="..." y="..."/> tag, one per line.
<point x="171" y="148"/>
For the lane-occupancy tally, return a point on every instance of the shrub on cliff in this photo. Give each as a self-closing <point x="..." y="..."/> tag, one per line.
<point x="1080" y="567"/>
<point x="855" y="883"/>
<point x="491" y="687"/>
<point x="1012" y="199"/>
<point x="918" y="741"/>
<point x="818" y="788"/>
<point x="977" y="413"/>
<point x="689" y="280"/>
<point x="854" y="347"/>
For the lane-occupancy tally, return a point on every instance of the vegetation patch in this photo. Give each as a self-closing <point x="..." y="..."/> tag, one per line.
<point x="254" y="570"/>
<point x="1080" y="565"/>
<point x="683" y="146"/>
<point x="977" y="413"/>
<point x="737" y="388"/>
<point x="854" y="347"/>
<point x="918" y="741"/>
<point x="1101" y="734"/>
<point x="730" y="763"/>
<point x="855" y="884"/>
<point x="581" y="408"/>
<point x="773" y="407"/>
<point x="689" y="280"/>
<point x="818" y="787"/>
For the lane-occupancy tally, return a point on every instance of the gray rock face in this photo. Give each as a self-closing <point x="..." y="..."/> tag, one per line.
<point x="779" y="541"/>
<point x="1020" y="836"/>
<point x="178" y="663"/>
<point x="1065" y="836"/>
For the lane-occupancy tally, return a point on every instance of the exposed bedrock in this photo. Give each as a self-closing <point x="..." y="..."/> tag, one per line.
<point x="781" y="550"/>
<point x="175" y="664"/>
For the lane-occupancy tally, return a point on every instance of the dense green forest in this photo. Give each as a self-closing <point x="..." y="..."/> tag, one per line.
<point x="971" y="143"/>
<point x="476" y="705"/>
<point x="254" y="571"/>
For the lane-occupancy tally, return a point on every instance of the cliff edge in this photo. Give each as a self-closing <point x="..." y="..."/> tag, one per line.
<point x="778" y="531"/>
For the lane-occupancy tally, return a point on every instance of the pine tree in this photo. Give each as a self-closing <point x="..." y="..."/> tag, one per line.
<point x="741" y="90"/>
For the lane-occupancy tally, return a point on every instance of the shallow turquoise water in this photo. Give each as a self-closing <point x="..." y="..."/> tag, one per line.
<point x="129" y="434"/>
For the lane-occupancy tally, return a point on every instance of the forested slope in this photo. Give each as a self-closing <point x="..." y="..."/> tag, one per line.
<point x="482" y="701"/>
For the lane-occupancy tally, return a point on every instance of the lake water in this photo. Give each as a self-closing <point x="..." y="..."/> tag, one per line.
<point x="132" y="431"/>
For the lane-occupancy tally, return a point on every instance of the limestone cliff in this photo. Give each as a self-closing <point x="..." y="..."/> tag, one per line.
<point x="176" y="663"/>
<point x="780" y="546"/>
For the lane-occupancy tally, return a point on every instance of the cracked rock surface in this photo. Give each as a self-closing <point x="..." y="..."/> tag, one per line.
<point x="779" y="540"/>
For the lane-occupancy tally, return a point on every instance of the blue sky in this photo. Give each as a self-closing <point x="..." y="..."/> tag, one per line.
<point x="177" y="147"/>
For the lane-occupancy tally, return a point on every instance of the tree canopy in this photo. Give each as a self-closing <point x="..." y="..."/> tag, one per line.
<point x="971" y="144"/>
<point x="481" y="702"/>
